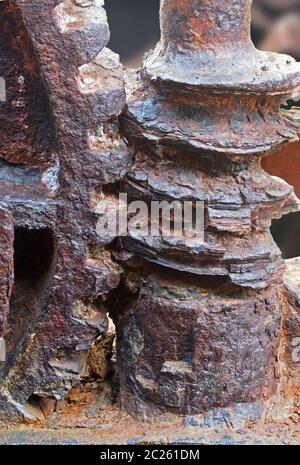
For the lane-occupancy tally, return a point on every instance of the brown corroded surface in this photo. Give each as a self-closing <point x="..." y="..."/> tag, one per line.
<point x="290" y="385"/>
<point x="58" y="143"/>
<point x="6" y="273"/>
<point x="198" y="348"/>
<point x="201" y="112"/>
<point x="205" y="329"/>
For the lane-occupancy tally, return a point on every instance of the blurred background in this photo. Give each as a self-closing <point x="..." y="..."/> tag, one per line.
<point x="135" y="27"/>
<point x="275" y="27"/>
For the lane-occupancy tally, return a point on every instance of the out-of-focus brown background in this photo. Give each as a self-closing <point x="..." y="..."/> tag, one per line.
<point x="134" y="28"/>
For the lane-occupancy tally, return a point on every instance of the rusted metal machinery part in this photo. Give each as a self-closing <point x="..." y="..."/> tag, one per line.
<point x="202" y="326"/>
<point x="59" y="144"/>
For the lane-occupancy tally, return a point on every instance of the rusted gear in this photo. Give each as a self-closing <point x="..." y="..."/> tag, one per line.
<point x="58" y="144"/>
<point x="202" y="330"/>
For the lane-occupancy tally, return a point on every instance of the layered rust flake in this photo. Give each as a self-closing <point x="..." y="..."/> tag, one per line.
<point x="202" y="327"/>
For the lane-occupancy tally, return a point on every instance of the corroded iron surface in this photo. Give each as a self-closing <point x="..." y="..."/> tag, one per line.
<point x="58" y="143"/>
<point x="205" y="329"/>
<point x="203" y="326"/>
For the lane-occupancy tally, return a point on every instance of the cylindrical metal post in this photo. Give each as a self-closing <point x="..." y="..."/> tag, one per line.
<point x="202" y="329"/>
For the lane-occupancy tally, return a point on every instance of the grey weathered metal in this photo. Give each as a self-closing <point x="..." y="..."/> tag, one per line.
<point x="202" y="328"/>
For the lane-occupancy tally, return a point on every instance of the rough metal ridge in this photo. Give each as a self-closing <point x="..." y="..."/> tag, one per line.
<point x="200" y="326"/>
<point x="58" y="145"/>
<point x="203" y="326"/>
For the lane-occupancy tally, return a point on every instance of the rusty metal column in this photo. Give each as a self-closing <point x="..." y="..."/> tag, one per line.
<point x="201" y="328"/>
<point x="6" y="275"/>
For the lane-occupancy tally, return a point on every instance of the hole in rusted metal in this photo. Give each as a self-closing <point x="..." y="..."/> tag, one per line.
<point x="33" y="253"/>
<point x="292" y="104"/>
<point x="33" y="256"/>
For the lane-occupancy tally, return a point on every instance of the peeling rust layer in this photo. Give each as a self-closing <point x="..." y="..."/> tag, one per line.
<point x="198" y="349"/>
<point x="205" y="330"/>
<point x="201" y="113"/>
<point x="6" y="266"/>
